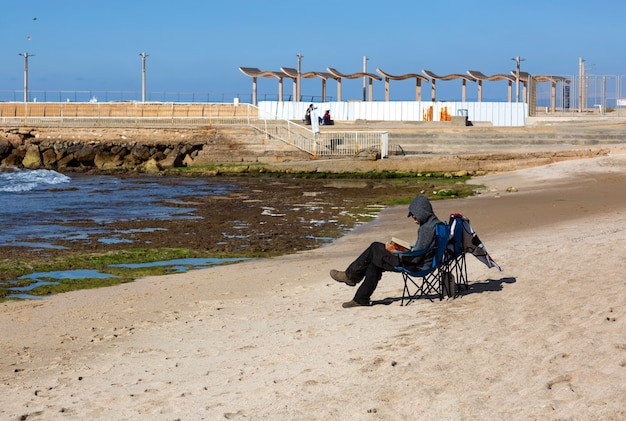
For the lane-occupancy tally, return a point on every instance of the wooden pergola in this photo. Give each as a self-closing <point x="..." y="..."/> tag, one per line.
<point x="418" y="82"/>
<point x="472" y="76"/>
<point x="452" y="76"/>
<point x="293" y="73"/>
<point x="339" y="76"/>
<point x="255" y="73"/>
<point x="480" y="77"/>
<point x="554" y="80"/>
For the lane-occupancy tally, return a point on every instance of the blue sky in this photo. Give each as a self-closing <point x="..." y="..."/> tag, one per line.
<point x="198" y="46"/>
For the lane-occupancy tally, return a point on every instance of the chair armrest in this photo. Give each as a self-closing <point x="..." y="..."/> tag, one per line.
<point x="414" y="253"/>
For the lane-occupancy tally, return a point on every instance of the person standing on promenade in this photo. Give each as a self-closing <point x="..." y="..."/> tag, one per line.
<point x="307" y="115"/>
<point x="380" y="257"/>
<point x="315" y="119"/>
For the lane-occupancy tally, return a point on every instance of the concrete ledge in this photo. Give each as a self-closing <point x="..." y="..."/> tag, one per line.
<point x="467" y="164"/>
<point x="458" y="120"/>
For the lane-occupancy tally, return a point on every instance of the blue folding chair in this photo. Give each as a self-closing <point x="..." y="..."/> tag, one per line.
<point x="426" y="283"/>
<point x="455" y="269"/>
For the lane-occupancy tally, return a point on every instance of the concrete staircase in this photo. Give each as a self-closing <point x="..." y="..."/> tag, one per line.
<point x="481" y="140"/>
<point x="244" y="144"/>
<point x="410" y="138"/>
<point x="241" y="144"/>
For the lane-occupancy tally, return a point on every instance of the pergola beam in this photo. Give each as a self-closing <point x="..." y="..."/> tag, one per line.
<point x="452" y="76"/>
<point x="472" y="76"/>
<point x="418" y="82"/>
<point x="339" y="76"/>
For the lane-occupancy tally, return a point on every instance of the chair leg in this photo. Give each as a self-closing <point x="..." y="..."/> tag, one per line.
<point x="448" y="283"/>
<point x="422" y="289"/>
<point x="406" y="292"/>
<point x="459" y="270"/>
<point x="462" y="279"/>
<point x="446" y="280"/>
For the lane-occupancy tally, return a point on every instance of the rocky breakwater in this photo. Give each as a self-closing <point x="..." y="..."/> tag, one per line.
<point x="104" y="150"/>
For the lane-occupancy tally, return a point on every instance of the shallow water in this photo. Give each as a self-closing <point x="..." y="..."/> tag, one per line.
<point x="41" y="206"/>
<point x="47" y="278"/>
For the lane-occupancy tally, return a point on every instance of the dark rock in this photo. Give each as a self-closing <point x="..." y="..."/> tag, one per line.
<point x="172" y="161"/>
<point x="86" y="155"/>
<point x="15" y="159"/>
<point x="67" y="161"/>
<point x="49" y="158"/>
<point x="141" y="152"/>
<point x="5" y="148"/>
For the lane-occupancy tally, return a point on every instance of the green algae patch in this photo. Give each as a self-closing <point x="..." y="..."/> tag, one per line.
<point x="107" y="263"/>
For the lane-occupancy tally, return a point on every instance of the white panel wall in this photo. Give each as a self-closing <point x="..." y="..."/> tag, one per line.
<point x="497" y="113"/>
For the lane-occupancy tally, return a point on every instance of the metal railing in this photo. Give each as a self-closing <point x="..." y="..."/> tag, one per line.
<point x="123" y="122"/>
<point x="587" y="95"/>
<point x="326" y="143"/>
<point x="176" y="115"/>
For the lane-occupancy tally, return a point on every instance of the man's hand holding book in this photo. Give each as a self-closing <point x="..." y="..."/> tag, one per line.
<point x="397" y="245"/>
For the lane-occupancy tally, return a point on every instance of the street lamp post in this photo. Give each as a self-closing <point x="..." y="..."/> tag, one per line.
<point x="581" y="74"/>
<point x="299" y="78"/>
<point x="364" y="77"/>
<point x="518" y="61"/>
<point x="26" y="55"/>
<point x="143" y="76"/>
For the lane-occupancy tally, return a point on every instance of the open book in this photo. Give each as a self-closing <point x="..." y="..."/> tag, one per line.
<point x="401" y="245"/>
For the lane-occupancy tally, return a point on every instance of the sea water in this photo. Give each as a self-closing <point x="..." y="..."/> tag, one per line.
<point x="38" y="207"/>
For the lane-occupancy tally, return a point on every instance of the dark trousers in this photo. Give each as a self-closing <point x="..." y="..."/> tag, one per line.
<point x="370" y="265"/>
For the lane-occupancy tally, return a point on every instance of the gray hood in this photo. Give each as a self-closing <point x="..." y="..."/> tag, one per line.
<point x="421" y="208"/>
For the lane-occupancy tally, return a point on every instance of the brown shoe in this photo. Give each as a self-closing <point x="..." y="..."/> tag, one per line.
<point x="352" y="303"/>
<point x="340" y="276"/>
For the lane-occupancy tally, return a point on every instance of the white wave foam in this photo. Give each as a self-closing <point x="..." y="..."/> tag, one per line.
<point x="23" y="180"/>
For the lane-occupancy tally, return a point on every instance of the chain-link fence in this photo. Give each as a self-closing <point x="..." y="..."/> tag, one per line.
<point x="587" y="95"/>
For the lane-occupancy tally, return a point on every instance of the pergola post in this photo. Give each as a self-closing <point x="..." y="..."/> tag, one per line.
<point x="433" y="90"/>
<point x="254" y="87"/>
<point x="339" y="89"/>
<point x="463" y="90"/>
<point x="418" y="89"/>
<point x="386" y="89"/>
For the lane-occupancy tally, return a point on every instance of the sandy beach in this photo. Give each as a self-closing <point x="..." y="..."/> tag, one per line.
<point x="268" y="339"/>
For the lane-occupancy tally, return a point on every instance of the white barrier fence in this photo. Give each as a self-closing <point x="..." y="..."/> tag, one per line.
<point x="496" y="113"/>
<point x="327" y="143"/>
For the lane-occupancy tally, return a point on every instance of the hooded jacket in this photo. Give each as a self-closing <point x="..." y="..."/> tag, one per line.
<point x="421" y="208"/>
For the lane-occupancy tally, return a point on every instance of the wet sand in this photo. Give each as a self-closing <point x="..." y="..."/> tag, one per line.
<point x="268" y="339"/>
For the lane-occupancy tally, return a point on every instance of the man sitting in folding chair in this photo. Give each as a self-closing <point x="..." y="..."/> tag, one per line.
<point x="381" y="257"/>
